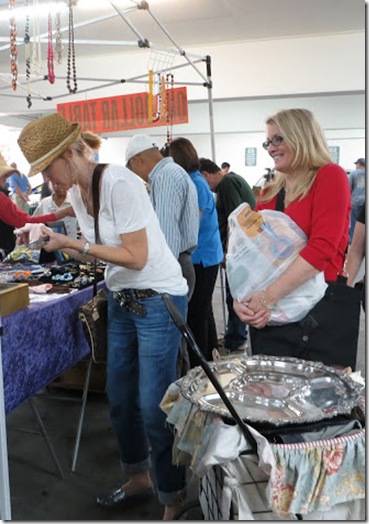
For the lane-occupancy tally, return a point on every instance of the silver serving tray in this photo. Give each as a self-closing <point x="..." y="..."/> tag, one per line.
<point x="277" y="390"/>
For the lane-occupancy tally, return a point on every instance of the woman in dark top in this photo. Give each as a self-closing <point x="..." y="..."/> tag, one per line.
<point x="356" y="254"/>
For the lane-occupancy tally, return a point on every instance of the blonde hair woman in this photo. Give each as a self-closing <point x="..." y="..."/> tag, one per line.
<point x="315" y="193"/>
<point x="92" y="144"/>
<point x="143" y="341"/>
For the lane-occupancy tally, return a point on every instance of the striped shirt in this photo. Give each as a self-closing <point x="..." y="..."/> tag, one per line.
<point x="174" y="198"/>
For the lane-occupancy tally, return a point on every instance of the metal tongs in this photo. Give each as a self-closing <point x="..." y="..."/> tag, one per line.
<point x="39" y="243"/>
<point x="186" y="332"/>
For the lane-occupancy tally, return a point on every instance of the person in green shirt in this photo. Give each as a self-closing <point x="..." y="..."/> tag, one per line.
<point x="231" y="190"/>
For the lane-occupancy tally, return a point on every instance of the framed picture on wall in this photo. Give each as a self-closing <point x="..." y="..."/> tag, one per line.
<point x="250" y="156"/>
<point x="335" y="153"/>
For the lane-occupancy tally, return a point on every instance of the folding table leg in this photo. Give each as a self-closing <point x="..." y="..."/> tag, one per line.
<point x="81" y="415"/>
<point x="46" y="436"/>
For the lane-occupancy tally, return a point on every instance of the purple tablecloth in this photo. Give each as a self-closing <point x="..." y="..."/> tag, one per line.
<point x="40" y="342"/>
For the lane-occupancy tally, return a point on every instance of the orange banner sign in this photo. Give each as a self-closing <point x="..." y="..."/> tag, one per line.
<point x="104" y="115"/>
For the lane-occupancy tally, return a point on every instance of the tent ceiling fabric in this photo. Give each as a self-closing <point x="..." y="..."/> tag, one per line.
<point x="101" y="30"/>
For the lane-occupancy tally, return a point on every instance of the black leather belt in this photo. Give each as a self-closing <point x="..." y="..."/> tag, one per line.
<point x="129" y="298"/>
<point x="137" y="293"/>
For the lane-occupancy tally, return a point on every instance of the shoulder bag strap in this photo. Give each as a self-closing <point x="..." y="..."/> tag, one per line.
<point x="280" y="200"/>
<point x="96" y="207"/>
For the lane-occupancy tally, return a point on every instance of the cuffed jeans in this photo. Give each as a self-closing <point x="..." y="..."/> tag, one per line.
<point x="141" y="364"/>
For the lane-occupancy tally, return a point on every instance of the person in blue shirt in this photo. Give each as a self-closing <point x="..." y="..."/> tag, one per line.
<point x="20" y="188"/>
<point x="207" y="255"/>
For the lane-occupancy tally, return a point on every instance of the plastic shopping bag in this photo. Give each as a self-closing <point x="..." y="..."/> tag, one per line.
<point x="261" y="246"/>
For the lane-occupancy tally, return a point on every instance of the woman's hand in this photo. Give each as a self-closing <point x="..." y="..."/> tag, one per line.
<point x="56" y="240"/>
<point x="255" y="309"/>
<point x="30" y="233"/>
<point x="257" y="319"/>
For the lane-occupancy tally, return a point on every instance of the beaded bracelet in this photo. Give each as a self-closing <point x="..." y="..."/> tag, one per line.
<point x="263" y="302"/>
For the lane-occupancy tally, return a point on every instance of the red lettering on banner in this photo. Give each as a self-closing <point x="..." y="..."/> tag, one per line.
<point x="104" y="115"/>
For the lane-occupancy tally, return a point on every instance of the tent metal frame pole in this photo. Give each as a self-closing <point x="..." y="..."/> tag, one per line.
<point x="109" y="83"/>
<point x="213" y="155"/>
<point x="5" y="505"/>
<point x="142" y="41"/>
<point x="209" y="85"/>
<point x="181" y="51"/>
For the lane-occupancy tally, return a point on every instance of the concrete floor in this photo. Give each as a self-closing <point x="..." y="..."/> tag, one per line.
<point x="38" y="492"/>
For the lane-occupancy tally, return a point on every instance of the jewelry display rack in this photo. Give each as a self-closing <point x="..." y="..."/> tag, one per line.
<point x="189" y="59"/>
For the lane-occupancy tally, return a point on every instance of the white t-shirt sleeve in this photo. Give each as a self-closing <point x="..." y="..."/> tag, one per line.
<point x="129" y="205"/>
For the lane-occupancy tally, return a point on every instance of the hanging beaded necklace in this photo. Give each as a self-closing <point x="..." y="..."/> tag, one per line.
<point x="13" y="45"/>
<point x="36" y="47"/>
<point x="154" y="100"/>
<point x="163" y="99"/>
<point x="27" y="56"/>
<point x="170" y="106"/>
<point x="50" y="51"/>
<point x="58" y="39"/>
<point x="156" y="116"/>
<point x="71" y="61"/>
<point x="150" y="96"/>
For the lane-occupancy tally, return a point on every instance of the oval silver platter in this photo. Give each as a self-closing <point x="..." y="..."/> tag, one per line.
<point x="276" y="390"/>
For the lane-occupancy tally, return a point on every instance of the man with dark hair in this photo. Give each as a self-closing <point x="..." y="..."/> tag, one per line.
<point x="231" y="191"/>
<point x="225" y="167"/>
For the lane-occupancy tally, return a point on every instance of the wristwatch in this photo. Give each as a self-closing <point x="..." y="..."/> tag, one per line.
<point x="85" y="249"/>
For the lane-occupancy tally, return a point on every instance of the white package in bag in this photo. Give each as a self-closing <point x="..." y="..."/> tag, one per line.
<point x="261" y="246"/>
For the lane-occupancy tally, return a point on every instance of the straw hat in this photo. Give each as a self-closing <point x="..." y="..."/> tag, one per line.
<point x="45" y="139"/>
<point x="5" y="169"/>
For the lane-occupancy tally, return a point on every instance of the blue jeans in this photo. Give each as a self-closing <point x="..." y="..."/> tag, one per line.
<point x="141" y="364"/>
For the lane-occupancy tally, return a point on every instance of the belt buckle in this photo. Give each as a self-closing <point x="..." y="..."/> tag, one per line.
<point x="121" y="298"/>
<point x="129" y="300"/>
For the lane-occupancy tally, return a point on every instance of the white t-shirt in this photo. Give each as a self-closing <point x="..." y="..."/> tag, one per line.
<point x="125" y="207"/>
<point x="48" y="205"/>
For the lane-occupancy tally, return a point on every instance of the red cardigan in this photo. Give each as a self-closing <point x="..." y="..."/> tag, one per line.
<point x="16" y="217"/>
<point x="324" y="216"/>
